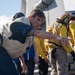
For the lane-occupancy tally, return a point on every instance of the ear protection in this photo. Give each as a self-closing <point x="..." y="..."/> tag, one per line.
<point x="66" y="20"/>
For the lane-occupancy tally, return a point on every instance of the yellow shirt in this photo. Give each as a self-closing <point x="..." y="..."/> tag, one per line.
<point x="40" y="47"/>
<point x="61" y="31"/>
<point x="72" y="31"/>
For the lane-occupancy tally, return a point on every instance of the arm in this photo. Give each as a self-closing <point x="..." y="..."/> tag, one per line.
<point x="23" y="29"/>
<point x="68" y="48"/>
<point x="41" y="48"/>
<point x="42" y="34"/>
<point x="46" y="35"/>
<point x="23" y="65"/>
<point x="72" y="33"/>
<point x="36" y="58"/>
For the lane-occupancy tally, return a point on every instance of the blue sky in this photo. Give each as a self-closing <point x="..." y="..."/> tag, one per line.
<point x="9" y="7"/>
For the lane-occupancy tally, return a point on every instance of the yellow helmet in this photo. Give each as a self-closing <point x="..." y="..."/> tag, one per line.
<point x="65" y="15"/>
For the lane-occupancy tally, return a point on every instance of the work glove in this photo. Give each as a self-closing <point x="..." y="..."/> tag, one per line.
<point x="73" y="55"/>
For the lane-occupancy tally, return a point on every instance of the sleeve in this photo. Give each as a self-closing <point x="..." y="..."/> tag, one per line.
<point x="63" y="33"/>
<point x="20" y="28"/>
<point x="40" y="47"/>
<point x="72" y="30"/>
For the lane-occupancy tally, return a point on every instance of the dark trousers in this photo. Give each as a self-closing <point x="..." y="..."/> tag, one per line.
<point x="7" y="66"/>
<point x="30" y="64"/>
<point x="43" y="67"/>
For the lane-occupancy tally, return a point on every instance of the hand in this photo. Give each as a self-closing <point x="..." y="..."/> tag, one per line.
<point x="23" y="65"/>
<point x="64" y="41"/>
<point x="36" y="59"/>
<point x="73" y="55"/>
<point x="46" y="60"/>
<point x="24" y="68"/>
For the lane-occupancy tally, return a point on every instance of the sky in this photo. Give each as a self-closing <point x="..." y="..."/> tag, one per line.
<point x="8" y="8"/>
<point x="69" y="5"/>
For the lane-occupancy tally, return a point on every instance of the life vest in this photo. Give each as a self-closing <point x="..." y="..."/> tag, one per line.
<point x="14" y="47"/>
